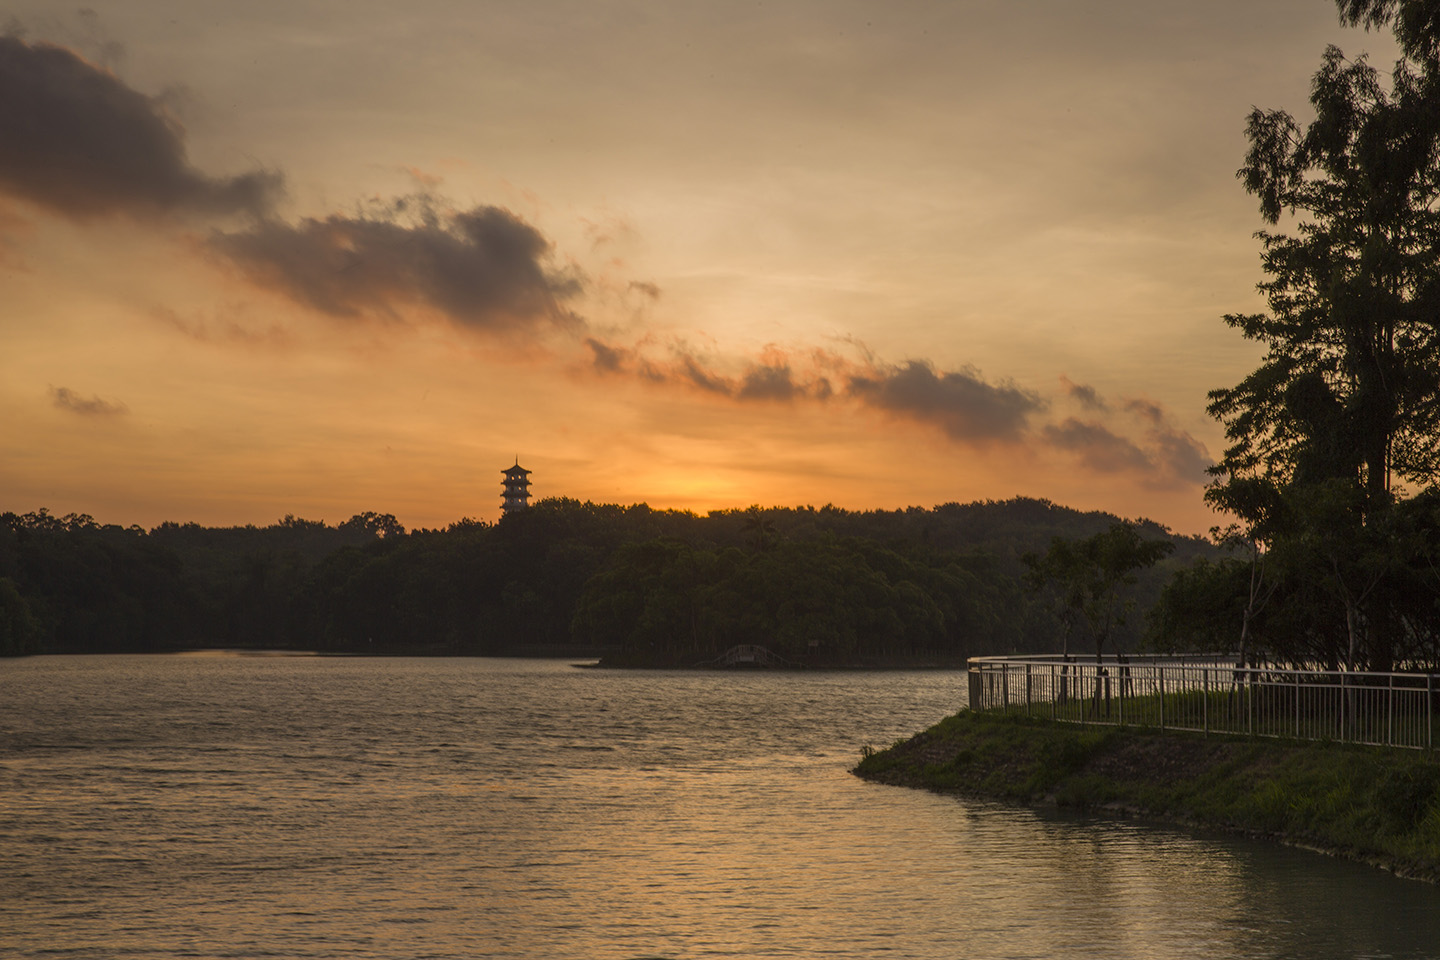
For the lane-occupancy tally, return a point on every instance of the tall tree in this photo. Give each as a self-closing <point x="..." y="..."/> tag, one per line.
<point x="1348" y="384"/>
<point x="1089" y="577"/>
<point x="1345" y="406"/>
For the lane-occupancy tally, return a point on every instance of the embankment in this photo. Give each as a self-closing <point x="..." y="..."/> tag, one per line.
<point x="1375" y="805"/>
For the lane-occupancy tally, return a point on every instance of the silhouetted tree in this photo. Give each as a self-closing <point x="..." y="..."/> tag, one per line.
<point x="19" y="629"/>
<point x="1344" y="409"/>
<point x="1090" y="575"/>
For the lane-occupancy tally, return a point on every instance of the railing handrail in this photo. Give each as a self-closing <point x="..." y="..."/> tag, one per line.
<point x="1214" y="693"/>
<point x="1219" y="662"/>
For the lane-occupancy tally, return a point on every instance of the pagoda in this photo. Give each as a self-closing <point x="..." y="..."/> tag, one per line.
<point x="517" y="489"/>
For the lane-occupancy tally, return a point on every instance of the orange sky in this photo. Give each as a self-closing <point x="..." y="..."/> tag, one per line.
<point x="270" y="258"/>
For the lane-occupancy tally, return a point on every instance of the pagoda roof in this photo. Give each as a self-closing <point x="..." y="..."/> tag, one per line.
<point x="515" y="470"/>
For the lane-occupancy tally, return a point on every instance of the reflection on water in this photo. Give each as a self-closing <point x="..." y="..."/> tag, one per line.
<point x="224" y="806"/>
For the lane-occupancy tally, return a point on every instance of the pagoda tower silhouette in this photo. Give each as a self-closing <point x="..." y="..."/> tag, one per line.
<point x="517" y="489"/>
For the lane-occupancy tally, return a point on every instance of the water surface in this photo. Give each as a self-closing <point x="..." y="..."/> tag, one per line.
<point x="389" y="808"/>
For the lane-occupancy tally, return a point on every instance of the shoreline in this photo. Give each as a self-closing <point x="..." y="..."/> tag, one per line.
<point x="1369" y="804"/>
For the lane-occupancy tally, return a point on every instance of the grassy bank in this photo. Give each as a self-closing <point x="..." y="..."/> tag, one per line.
<point x="1371" y="804"/>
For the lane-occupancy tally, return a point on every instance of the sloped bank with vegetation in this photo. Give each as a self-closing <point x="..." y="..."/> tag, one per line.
<point x="1380" y="806"/>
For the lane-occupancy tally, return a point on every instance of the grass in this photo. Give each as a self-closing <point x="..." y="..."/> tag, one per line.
<point x="1369" y="803"/>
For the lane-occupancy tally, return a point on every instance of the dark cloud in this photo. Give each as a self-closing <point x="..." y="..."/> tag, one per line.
<point x="608" y="359"/>
<point x="962" y="404"/>
<point x="483" y="267"/>
<point x="645" y="287"/>
<point x="769" y="382"/>
<point x="695" y="373"/>
<point x="66" y="399"/>
<point x="970" y="410"/>
<point x="1170" y="457"/>
<point x="1098" y="447"/>
<point x="771" y="379"/>
<point x="1147" y="410"/>
<point x="77" y="140"/>
<point x="1084" y="394"/>
<point x="1181" y="457"/>
<point x="686" y="369"/>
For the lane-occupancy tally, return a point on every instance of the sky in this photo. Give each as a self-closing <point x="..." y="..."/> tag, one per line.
<point x="317" y="258"/>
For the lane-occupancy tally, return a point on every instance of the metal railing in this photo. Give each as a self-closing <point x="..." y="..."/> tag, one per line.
<point x="1213" y="695"/>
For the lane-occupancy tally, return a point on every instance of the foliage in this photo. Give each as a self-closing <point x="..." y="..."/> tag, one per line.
<point x="1088" y="577"/>
<point x="819" y="584"/>
<point x="1199" y="608"/>
<point x="19" y="630"/>
<point x="1339" y="426"/>
<point x="817" y="601"/>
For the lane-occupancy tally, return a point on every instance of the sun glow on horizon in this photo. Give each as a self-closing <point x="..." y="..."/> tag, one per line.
<point x="285" y="294"/>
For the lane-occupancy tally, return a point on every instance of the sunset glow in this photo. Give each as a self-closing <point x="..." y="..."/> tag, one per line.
<point x="267" y="258"/>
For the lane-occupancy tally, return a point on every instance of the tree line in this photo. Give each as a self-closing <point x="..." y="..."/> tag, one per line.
<point x="816" y="585"/>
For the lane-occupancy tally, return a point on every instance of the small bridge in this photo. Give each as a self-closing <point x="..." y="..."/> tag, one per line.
<point x="748" y="655"/>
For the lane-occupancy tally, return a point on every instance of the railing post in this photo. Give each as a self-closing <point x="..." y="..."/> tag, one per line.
<point x="1340" y="734"/>
<point x="1120" y="700"/>
<point x="1249" y="702"/>
<point x="1054" y="693"/>
<point x="1390" y="712"/>
<point x="1205" y="703"/>
<point x="1161" y="671"/>
<point x="1429" y="711"/>
<point x="1027" y="689"/>
<point x="1296" y="675"/>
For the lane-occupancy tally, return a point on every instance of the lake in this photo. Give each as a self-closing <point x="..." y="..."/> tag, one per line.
<point x="243" y="806"/>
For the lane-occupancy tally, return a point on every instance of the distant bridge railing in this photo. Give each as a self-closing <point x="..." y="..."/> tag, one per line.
<point x="748" y="655"/>
<point x="1212" y="694"/>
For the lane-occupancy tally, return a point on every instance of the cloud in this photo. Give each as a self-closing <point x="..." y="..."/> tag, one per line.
<point x="66" y="399"/>
<point x="766" y="381"/>
<point x="967" y="408"/>
<point x="1166" y="458"/>
<point x="1084" y="394"/>
<point x="608" y="359"/>
<point x="1133" y="437"/>
<point x="1147" y="410"/>
<point x="961" y="403"/>
<point x="1180" y="456"/>
<point x="484" y="268"/>
<point x="771" y="378"/>
<point x="223" y="328"/>
<point x="1097" y="446"/>
<point x="75" y="139"/>
<point x="695" y="372"/>
<point x="78" y="141"/>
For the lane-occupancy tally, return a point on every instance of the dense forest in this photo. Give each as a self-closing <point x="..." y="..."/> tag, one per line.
<point x="817" y="586"/>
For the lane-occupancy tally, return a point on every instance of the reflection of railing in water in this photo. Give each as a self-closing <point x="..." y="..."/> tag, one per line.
<point x="1213" y="695"/>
